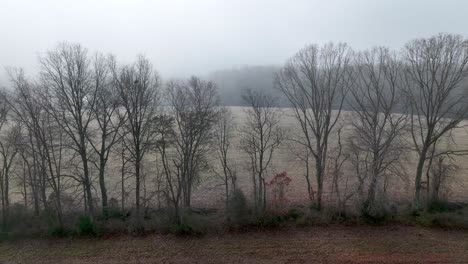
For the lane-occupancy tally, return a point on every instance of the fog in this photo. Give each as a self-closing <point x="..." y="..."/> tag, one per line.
<point x="233" y="131"/>
<point x="187" y="37"/>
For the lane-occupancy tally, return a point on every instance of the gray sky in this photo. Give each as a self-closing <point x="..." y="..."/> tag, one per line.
<point x="200" y="36"/>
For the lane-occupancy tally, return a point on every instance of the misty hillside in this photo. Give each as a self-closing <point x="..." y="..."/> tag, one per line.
<point x="231" y="82"/>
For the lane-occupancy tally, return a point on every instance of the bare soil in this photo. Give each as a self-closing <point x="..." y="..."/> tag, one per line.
<point x="317" y="244"/>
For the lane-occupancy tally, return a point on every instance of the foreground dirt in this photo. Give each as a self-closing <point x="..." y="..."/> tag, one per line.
<point x="332" y="244"/>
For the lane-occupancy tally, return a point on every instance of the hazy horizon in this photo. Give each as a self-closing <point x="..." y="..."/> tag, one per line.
<point x="182" y="38"/>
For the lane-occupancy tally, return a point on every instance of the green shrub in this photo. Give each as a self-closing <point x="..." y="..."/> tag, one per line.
<point x="294" y="214"/>
<point x="184" y="229"/>
<point x="4" y="236"/>
<point x="443" y="219"/>
<point x="238" y="212"/>
<point x="334" y="215"/>
<point x="268" y="221"/>
<point x="271" y="220"/>
<point x="162" y="220"/>
<point x="57" y="231"/>
<point x="113" y="213"/>
<point x="443" y="206"/>
<point x="86" y="226"/>
<point x="438" y="206"/>
<point x="379" y="213"/>
<point x="136" y="226"/>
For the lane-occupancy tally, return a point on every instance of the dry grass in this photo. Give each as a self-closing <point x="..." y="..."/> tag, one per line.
<point x="209" y="193"/>
<point x="400" y="188"/>
<point x="332" y="244"/>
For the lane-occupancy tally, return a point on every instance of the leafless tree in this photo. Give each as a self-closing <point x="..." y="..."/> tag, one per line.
<point x="109" y="120"/>
<point x="301" y="153"/>
<point x="121" y="154"/>
<point x="436" y="71"/>
<point x="341" y="180"/>
<point x="68" y="77"/>
<point x="377" y="128"/>
<point x="442" y="170"/>
<point x="173" y="178"/>
<point x="193" y="106"/>
<point x="21" y="102"/>
<point x="9" y="145"/>
<point x="315" y="82"/>
<point x="224" y="133"/>
<point x="45" y="142"/>
<point x="261" y="136"/>
<point x="43" y="145"/>
<point x="9" y="142"/>
<point x="138" y="87"/>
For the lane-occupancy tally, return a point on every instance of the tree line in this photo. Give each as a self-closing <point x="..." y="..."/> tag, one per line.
<point x="61" y="128"/>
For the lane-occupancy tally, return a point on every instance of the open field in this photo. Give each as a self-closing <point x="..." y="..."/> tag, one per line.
<point x="319" y="244"/>
<point x="210" y="194"/>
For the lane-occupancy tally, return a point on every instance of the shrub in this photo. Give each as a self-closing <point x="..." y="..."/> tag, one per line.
<point x="86" y="226"/>
<point x="450" y="219"/>
<point x="279" y="187"/>
<point x="238" y="212"/>
<point x="17" y="213"/>
<point x="136" y="226"/>
<point x="162" y="220"/>
<point x="57" y="231"/>
<point x="113" y="213"/>
<point x="379" y="213"/>
<point x="443" y="206"/>
<point x="184" y="229"/>
<point x="294" y="214"/>
<point x="23" y="223"/>
<point x="270" y="220"/>
<point x="202" y="223"/>
<point x="194" y="224"/>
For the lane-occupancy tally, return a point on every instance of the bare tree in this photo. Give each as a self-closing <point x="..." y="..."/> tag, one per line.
<point x="377" y="129"/>
<point x="260" y="138"/>
<point x="440" y="169"/>
<point x="224" y="132"/>
<point x="340" y="179"/>
<point x="109" y="120"/>
<point x="138" y="88"/>
<point x="173" y="178"/>
<point x="44" y="147"/>
<point x="9" y="143"/>
<point x="193" y="106"/>
<point x="436" y="71"/>
<point x="121" y="153"/>
<point x="67" y="74"/>
<point x="315" y="82"/>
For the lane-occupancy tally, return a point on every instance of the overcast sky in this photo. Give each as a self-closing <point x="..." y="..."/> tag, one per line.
<point x="199" y="36"/>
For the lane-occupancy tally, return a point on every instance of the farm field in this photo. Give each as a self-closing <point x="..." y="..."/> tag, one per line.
<point x="210" y="194"/>
<point x="319" y="244"/>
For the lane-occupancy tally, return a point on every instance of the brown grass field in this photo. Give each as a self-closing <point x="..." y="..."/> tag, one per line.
<point x="210" y="194"/>
<point x="319" y="244"/>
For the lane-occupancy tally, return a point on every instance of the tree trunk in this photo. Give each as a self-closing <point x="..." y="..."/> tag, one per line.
<point x="373" y="184"/>
<point x="417" y="183"/>
<point x="319" y="171"/>
<point x="255" y="191"/>
<point x="226" y="188"/>
<point x="137" y="189"/>
<point x="87" y="183"/>
<point x="102" y="184"/>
